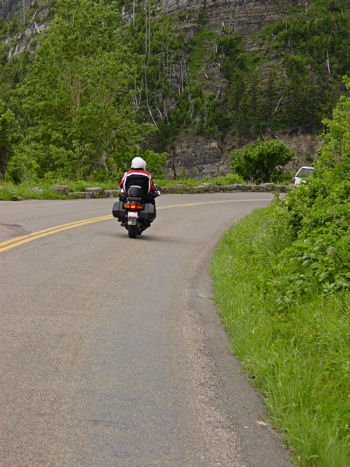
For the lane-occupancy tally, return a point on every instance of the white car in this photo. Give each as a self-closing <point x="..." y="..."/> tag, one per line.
<point x="302" y="174"/>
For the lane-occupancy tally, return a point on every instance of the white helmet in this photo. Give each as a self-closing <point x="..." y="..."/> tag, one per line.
<point x="138" y="163"/>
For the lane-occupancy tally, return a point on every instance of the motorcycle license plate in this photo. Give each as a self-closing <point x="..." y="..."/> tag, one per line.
<point x="132" y="218"/>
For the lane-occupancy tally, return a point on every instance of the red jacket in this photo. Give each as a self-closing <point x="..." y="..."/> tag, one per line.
<point x="137" y="177"/>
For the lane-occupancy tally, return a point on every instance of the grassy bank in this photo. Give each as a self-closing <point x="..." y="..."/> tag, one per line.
<point x="41" y="190"/>
<point x="297" y="357"/>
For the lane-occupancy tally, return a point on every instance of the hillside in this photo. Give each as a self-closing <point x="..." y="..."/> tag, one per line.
<point x="212" y="75"/>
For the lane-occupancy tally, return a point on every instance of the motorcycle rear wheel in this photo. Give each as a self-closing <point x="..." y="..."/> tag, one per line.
<point x="132" y="231"/>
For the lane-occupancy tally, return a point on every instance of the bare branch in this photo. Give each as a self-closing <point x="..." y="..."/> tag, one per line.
<point x="159" y="112"/>
<point x="151" y="114"/>
<point x="278" y="104"/>
<point x="218" y="92"/>
<point x="328" y="66"/>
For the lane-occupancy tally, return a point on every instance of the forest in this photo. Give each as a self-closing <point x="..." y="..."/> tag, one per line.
<point x="94" y="87"/>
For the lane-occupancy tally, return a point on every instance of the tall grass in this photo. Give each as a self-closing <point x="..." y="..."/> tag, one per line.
<point x="16" y="192"/>
<point x="298" y="359"/>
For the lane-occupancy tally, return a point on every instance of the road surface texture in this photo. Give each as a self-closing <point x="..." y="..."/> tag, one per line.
<point x="111" y="352"/>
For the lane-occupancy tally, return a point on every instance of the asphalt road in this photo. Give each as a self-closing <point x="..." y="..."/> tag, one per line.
<point x="111" y="353"/>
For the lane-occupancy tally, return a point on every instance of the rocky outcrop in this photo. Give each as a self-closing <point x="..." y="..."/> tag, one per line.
<point x="241" y="16"/>
<point x="9" y="7"/>
<point x="195" y="157"/>
<point x="24" y="42"/>
<point x="198" y="157"/>
<point x="305" y="147"/>
<point x="60" y="189"/>
<point x="31" y="23"/>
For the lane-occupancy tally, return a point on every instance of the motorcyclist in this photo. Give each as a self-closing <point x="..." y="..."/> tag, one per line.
<point x="138" y="176"/>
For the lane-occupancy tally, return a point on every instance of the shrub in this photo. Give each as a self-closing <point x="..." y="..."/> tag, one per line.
<point x="318" y="258"/>
<point x="261" y="160"/>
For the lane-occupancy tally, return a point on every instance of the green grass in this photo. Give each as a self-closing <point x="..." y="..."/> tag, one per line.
<point x="299" y="360"/>
<point x="14" y="192"/>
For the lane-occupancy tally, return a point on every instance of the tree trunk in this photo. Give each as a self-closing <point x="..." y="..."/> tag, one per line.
<point x="3" y="161"/>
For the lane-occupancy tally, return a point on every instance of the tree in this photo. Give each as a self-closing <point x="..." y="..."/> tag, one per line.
<point x="77" y="100"/>
<point x="335" y="154"/>
<point x="261" y="160"/>
<point x="8" y="136"/>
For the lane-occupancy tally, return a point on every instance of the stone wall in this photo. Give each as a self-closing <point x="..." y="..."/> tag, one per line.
<point x="98" y="192"/>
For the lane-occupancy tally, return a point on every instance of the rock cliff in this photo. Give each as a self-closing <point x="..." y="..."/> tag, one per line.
<point x="199" y="157"/>
<point x="242" y="16"/>
<point x="6" y="7"/>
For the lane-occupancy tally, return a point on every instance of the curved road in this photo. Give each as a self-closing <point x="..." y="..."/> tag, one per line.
<point x="111" y="353"/>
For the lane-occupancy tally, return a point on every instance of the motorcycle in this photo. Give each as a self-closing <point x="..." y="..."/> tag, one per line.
<point x="135" y="211"/>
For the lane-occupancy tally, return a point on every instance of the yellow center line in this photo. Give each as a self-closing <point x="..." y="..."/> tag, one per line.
<point x="18" y="241"/>
<point x="50" y="229"/>
<point x="199" y="203"/>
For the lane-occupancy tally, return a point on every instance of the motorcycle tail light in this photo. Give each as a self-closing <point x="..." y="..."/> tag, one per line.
<point x="133" y="206"/>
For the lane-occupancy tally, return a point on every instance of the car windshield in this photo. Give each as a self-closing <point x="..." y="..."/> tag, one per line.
<point x="305" y="171"/>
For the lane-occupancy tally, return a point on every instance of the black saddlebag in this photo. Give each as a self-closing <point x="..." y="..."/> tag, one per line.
<point x="118" y="210"/>
<point x="148" y="213"/>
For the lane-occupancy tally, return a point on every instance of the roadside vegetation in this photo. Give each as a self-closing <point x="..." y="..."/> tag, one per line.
<point x="282" y="282"/>
<point x="259" y="162"/>
<point x="10" y="191"/>
<point x="43" y="189"/>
